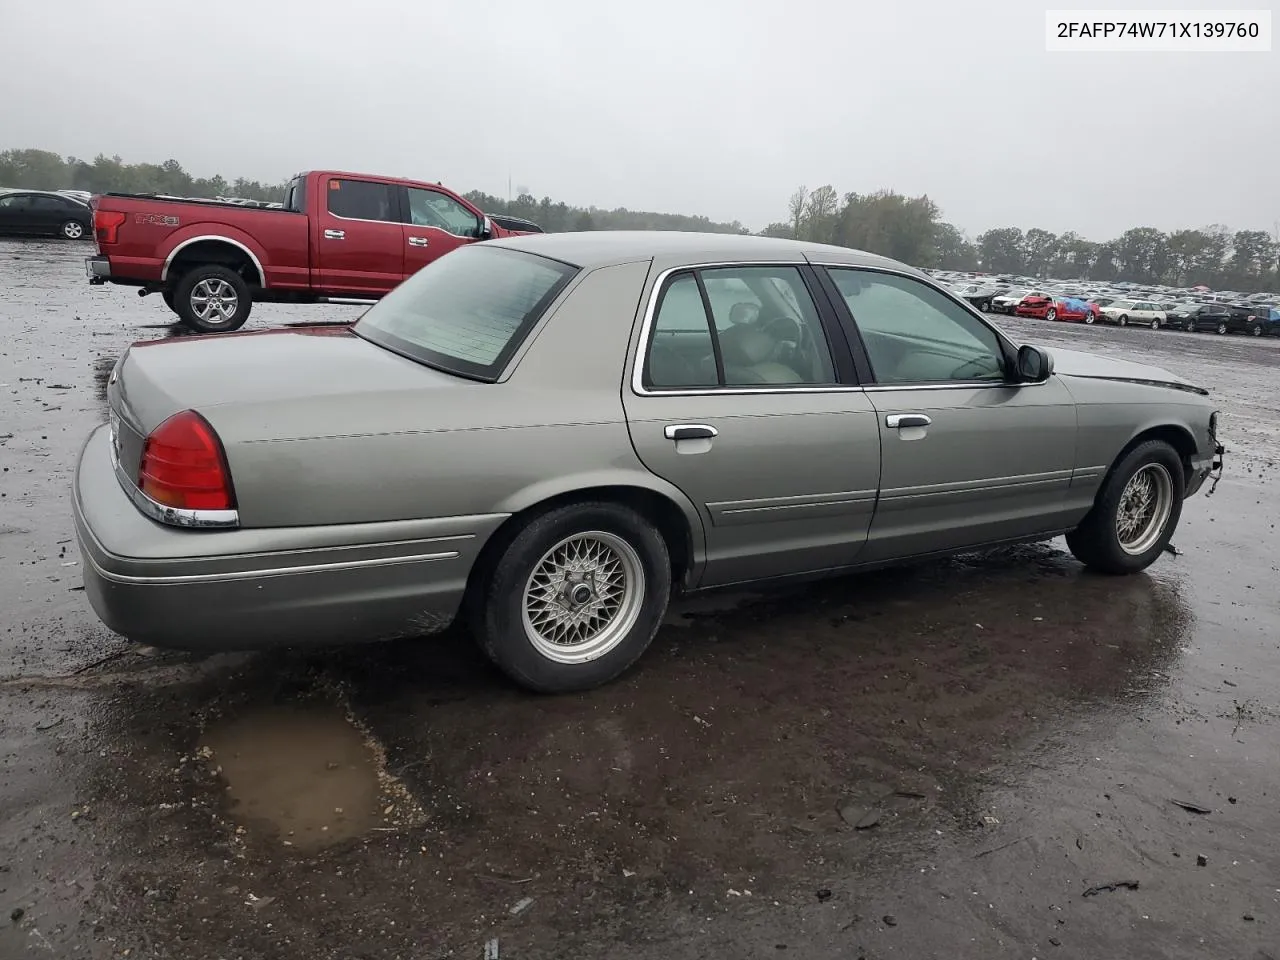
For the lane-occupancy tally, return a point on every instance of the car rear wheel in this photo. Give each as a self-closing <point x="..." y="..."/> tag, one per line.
<point x="1051" y="314"/>
<point x="575" y="598"/>
<point x="212" y="299"/>
<point x="73" y="230"/>
<point x="1135" y="513"/>
<point x="1155" y="324"/>
<point x="1255" y="331"/>
<point x="1088" y="318"/>
<point x="1222" y="328"/>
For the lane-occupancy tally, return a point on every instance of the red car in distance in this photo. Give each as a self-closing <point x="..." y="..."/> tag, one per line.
<point x="1069" y="309"/>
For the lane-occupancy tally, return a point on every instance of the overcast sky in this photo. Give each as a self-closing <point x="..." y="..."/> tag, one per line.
<point x="714" y="107"/>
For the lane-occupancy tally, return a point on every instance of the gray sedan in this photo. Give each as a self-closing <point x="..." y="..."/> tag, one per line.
<point x="546" y="435"/>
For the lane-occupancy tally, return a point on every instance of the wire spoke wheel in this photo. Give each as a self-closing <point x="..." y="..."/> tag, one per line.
<point x="1144" y="509"/>
<point x="214" y="300"/>
<point x="583" y="597"/>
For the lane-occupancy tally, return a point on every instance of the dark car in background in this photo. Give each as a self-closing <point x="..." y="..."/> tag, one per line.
<point x="1182" y="316"/>
<point x="35" y="213"/>
<point x="1210" y="317"/>
<point x="1263" y="320"/>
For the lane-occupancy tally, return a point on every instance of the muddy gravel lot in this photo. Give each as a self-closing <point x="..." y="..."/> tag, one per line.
<point x="994" y="756"/>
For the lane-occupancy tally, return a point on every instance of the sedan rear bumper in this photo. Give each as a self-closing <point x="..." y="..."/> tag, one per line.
<point x="256" y="588"/>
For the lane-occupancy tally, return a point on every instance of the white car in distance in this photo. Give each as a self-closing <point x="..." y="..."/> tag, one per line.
<point x="1124" y="312"/>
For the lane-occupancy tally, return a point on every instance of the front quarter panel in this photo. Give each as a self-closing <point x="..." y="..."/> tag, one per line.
<point x="1112" y="413"/>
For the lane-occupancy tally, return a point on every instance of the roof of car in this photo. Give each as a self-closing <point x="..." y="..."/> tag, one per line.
<point x="598" y="248"/>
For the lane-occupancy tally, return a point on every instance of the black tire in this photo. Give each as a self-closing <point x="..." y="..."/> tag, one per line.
<point x="497" y="616"/>
<point x="212" y="274"/>
<point x="1222" y="329"/>
<point x="1088" y="317"/>
<point x="1124" y="320"/>
<point x="1096" y="543"/>
<point x="1155" y="324"/>
<point x="1255" y="331"/>
<point x="1051" y="314"/>
<point x="73" y="230"/>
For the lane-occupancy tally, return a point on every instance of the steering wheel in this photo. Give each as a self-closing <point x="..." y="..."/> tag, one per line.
<point x="789" y="330"/>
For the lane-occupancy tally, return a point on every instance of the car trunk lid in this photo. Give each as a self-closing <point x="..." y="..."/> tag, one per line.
<point x="290" y="367"/>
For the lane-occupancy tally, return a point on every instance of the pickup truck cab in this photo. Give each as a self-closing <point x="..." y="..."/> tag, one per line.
<point x="338" y="238"/>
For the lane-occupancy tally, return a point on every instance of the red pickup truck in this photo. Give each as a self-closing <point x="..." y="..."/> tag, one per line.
<point x="338" y="238"/>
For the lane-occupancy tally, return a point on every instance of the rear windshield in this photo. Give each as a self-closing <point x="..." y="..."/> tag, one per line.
<point x="467" y="312"/>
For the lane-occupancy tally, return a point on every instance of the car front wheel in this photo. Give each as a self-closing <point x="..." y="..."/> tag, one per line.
<point x="1222" y="328"/>
<point x="1123" y="321"/>
<point x="1135" y="513"/>
<point x="1051" y="314"/>
<point x="574" y="599"/>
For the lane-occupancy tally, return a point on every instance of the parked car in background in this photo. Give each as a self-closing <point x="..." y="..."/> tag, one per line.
<point x="38" y="213"/>
<point x="340" y="237"/>
<point x="1008" y="301"/>
<point x="1264" y="321"/>
<point x="1056" y="308"/>
<point x="447" y="470"/>
<point x="84" y="196"/>
<point x="978" y="294"/>
<point x="1185" y="316"/>
<point x="1124" y="312"/>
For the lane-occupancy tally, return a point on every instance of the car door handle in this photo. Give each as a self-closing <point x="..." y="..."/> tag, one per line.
<point x="417" y="241"/>
<point x="335" y="234"/>
<point x="689" y="431"/>
<point x="900" y="420"/>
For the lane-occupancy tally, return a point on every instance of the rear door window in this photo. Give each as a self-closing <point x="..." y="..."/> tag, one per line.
<point x="763" y="330"/>
<point x="361" y="200"/>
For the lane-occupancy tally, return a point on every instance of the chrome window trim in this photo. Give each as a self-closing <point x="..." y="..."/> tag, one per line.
<point x="646" y="326"/>
<point x="168" y="261"/>
<point x="169" y="516"/>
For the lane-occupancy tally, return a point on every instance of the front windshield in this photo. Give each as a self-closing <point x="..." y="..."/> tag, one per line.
<point x="467" y="312"/>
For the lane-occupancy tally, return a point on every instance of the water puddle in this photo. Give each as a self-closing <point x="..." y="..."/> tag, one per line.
<point x="302" y="772"/>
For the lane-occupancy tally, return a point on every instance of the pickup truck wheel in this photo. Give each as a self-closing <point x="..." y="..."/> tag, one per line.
<point x="575" y="598"/>
<point x="1255" y="331"/>
<point x="1135" y="513"/>
<point x="212" y="299"/>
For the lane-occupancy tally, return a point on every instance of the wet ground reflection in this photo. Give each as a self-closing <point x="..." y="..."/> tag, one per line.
<point x="724" y="761"/>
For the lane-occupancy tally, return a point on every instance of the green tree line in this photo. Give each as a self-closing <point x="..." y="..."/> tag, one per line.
<point x="910" y="229"/>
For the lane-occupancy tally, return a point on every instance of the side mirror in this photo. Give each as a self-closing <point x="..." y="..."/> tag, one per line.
<point x="1034" y="365"/>
<point x="486" y="229"/>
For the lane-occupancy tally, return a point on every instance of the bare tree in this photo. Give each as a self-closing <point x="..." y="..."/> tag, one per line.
<point x="796" y="207"/>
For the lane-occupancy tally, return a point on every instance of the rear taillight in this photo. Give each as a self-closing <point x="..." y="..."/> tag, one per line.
<point x="183" y="465"/>
<point x="106" y="223"/>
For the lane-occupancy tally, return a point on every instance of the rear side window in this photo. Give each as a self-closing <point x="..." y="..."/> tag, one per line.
<point x="467" y="312"/>
<point x="747" y="326"/>
<point x="361" y="200"/>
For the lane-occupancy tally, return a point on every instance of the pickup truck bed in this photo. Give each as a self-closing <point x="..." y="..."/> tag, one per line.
<point x="339" y="237"/>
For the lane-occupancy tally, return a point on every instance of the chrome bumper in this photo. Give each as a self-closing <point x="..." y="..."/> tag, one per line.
<point x="98" y="268"/>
